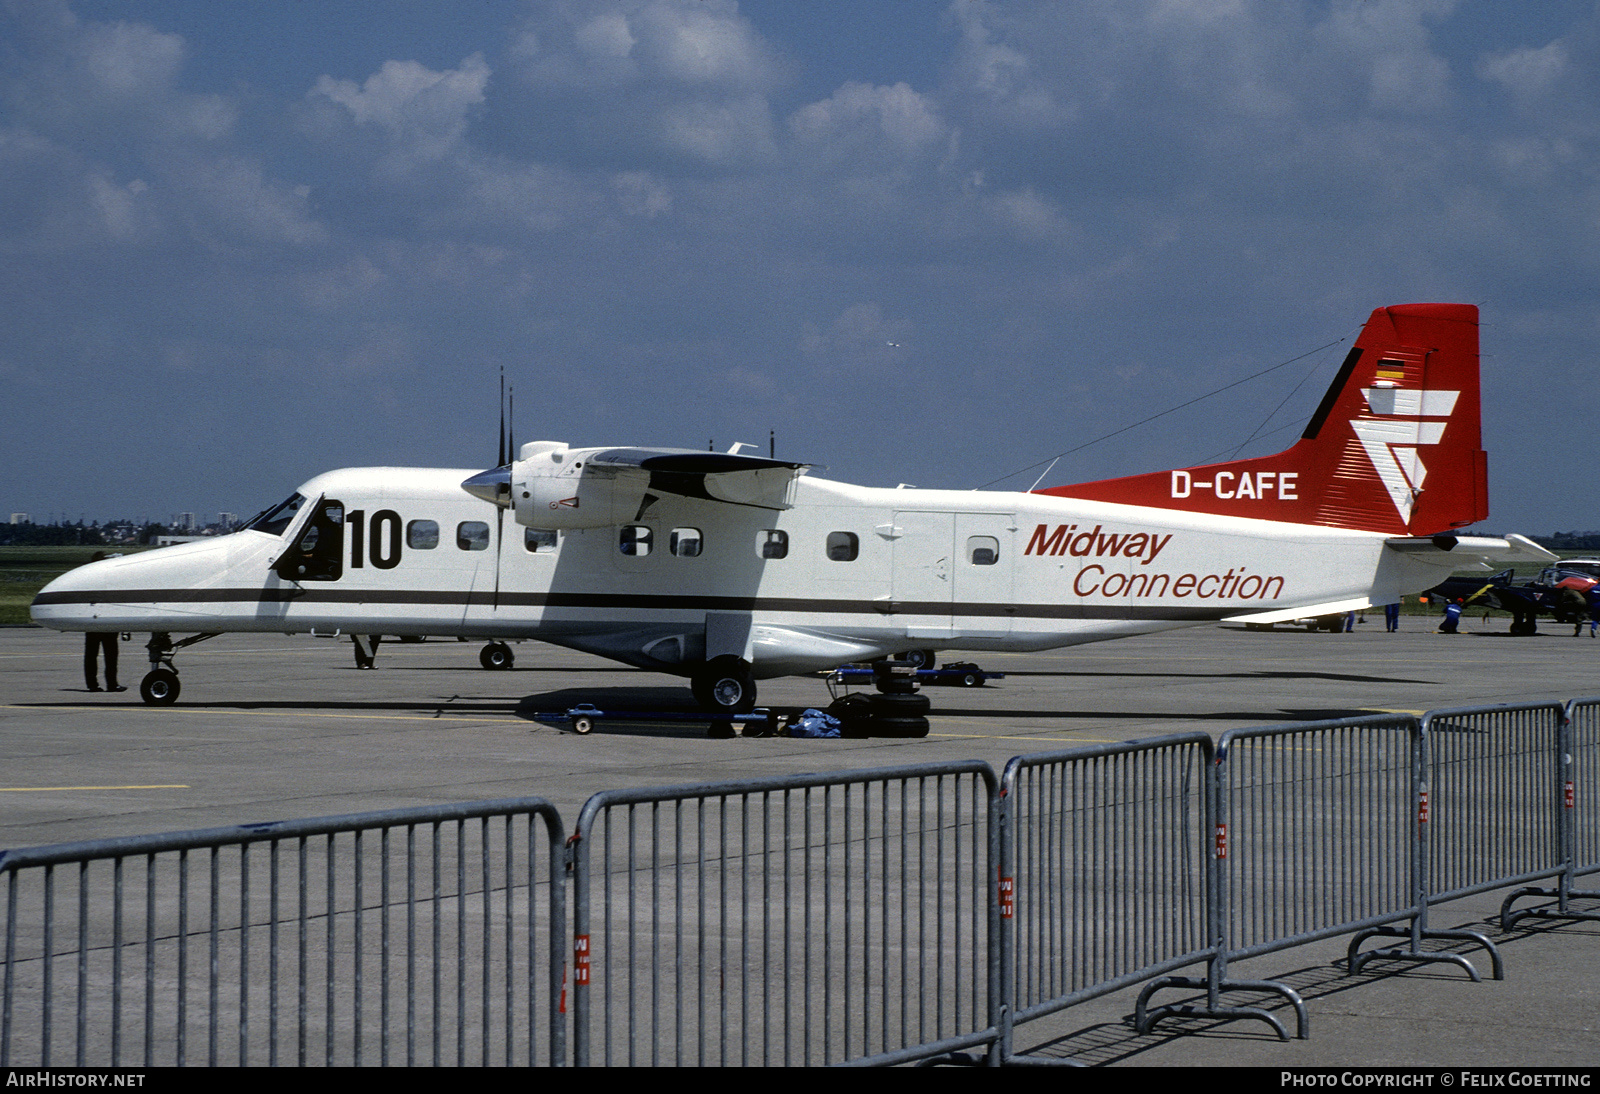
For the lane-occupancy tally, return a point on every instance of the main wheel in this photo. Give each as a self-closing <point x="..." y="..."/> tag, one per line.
<point x="922" y="659"/>
<point x="725" y="686"/>
<point x="496" y="655"/>
<point x="159" y="687"/>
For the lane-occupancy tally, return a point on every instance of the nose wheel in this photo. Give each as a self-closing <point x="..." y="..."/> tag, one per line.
<point x="160" y="687"/>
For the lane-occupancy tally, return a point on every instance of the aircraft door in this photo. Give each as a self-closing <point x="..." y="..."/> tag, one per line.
<point x="984" y="568"/>
<point x="317" y="553"/>
<point x="923" y="581"/>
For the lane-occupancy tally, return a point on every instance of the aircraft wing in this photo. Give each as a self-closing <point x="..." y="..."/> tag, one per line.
<point x="714" y="476"/>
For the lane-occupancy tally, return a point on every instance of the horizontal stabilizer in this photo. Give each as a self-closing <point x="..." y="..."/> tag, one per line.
<point x="1470" y="552"/>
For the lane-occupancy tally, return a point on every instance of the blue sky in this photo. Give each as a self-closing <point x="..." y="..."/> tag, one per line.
<point x="925" y="242"/>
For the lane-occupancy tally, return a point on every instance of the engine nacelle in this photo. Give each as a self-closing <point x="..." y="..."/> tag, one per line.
<point x="551" y="488"/>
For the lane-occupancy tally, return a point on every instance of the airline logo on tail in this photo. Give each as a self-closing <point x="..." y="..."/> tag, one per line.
<point x="1408" y="420"/>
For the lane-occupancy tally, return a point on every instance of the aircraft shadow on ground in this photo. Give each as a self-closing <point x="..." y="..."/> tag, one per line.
<point x="1255" y="674"/>
<point x="678" y="700"/>
<point x="1268" y="716"/>
<point x="1118" y="1042"/>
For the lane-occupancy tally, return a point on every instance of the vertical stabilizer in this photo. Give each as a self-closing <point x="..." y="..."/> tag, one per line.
<point x="1394" y="447"/>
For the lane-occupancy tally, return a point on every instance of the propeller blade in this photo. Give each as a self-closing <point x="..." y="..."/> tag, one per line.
<point x="499" y="541"/>
<point x="500" y="461"/>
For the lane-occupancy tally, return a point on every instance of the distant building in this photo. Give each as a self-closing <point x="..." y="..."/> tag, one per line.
<point x="227" y="520"/>
<point x="185" y="522"/>
<point x="20" y="518"/>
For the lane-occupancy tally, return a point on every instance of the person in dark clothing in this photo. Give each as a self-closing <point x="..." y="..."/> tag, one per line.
<point x="1452" y="618"/>
<point x="93" y="643"/>
<point x="1391" y="617"/>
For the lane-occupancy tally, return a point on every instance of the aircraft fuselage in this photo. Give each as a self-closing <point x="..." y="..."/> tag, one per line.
<point x="845" y="573"/>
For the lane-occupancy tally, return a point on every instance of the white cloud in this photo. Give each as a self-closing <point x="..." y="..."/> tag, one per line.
<point x="243" y="201"/>
<point x="697" y="45"/>
<point x="724" y="132"/>
<point x="861" y="117"/>
<point x="1527" y="73"/>
<point x="424" y="112"/>
<point x="1030" y="216"/>
<point x="119" y="207"/>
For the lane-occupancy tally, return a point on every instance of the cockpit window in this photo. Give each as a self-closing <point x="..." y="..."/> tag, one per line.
<point x="273" y="521"/>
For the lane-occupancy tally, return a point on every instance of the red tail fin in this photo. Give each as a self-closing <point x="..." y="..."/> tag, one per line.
<point x="1394" y="447"/>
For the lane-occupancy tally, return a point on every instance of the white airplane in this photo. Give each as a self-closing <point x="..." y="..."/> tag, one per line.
<point x="728" y="568"/>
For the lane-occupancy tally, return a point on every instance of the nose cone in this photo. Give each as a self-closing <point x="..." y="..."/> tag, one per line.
<point x="493" y="485"/>
<point x="68" y="601"/>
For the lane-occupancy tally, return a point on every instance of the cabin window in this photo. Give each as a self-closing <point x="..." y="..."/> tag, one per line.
<point x="772" y="544"/>
<point x="472" y="535"/>
<point x="539" y="539"/>
<point x="843" y="546"/>
<point x="685" y="542"/>
<point x="983" y="550"/>
<point x="422" y="535"/>
<point x="634" y="539"/>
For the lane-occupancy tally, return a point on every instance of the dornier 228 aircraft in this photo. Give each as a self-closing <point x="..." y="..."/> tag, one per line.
<point x="728" y="568"/>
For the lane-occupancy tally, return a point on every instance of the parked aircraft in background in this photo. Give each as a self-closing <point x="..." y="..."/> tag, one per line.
<point x="1568" y="591"/>
<point x="727" y="568"/>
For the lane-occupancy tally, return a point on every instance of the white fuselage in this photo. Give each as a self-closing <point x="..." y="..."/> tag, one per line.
<point x="846" y="573"/>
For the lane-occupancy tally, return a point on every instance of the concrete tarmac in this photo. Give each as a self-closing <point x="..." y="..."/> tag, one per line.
<point x="274" y="727"/>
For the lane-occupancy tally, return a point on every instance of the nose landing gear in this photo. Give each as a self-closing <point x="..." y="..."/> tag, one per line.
<point x="160" y="685"/>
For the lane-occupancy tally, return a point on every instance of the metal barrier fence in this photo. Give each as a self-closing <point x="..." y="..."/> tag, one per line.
<point x="430" y="935"/>
<point x="853" y="917"/>
<point x="1578" y="787"/>
<point x="1494" y="775"/>
<point x="1104" y="858"/>
<point x="793" y="920"/>
<point x="1312" y="837"/>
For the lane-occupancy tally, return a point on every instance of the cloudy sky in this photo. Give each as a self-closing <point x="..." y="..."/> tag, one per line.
<point x="925" y="242"/>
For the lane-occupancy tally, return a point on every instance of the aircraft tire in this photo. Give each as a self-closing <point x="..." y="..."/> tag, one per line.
<point x="900" y="706"/>
<point x="496" y="655"/>
<point x="922" y="659"/>
<point x="725" y="686"/>
<point x="900" y="727"/>
<point x="160" y="687"/>
<point x="895" y="685"/>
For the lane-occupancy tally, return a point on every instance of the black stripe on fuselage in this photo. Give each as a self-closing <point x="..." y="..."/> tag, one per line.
<point x="620" y="602"/>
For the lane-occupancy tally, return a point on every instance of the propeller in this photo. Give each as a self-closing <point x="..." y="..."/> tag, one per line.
<point x="503" y="465"/>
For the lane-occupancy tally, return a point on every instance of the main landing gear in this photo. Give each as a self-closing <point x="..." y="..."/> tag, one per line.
<point x="496" y="655"/>
<point x="160" y="685"/>
<point x="725" y="685"/>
